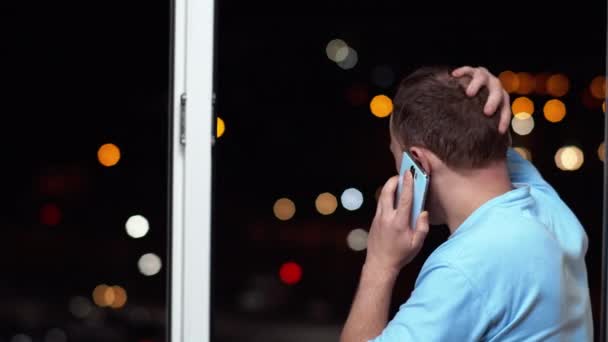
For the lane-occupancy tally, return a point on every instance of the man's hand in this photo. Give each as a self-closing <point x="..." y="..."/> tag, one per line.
<point x="498" y="99"/>
<point x="392" y="243"/>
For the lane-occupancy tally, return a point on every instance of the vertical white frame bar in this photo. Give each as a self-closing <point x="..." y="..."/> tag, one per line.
<point x="191" y="173"/>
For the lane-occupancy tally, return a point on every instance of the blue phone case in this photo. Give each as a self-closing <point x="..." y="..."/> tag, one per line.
<point x="421" y="183"/>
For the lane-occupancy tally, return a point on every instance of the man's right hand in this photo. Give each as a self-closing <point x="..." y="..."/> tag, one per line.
<point x="498" y="98"/>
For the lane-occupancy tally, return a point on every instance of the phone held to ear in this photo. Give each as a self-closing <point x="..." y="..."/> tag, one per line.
<point x="420" y="184"/>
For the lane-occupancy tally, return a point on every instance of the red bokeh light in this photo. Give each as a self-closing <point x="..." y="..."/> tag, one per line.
<point x="50" y="215"/>
<point x="290" y="273"/>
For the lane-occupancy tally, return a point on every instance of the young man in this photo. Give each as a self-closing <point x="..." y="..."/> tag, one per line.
<point x="513" y="268"/>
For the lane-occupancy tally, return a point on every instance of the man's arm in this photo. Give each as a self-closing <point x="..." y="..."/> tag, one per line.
<point x="369" y="312"/>
<point x="522" y="171"/>
<point x="391" y="244"/>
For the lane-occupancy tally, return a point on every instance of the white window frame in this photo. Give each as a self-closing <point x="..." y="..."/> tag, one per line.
<point x="193" y="30"/>
<point x="190" y="176"/>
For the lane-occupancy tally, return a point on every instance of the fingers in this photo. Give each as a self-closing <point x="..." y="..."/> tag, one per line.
<point x="495" y="96"/>
<point x="387" y="196"/>
<point x="498" y="99"/>
<point x="404" y="207"/>
<point x="480" y="78"/>
<point x="422" y="229"/>
<point x="465" y="70"/>
<point x="505" y="113"/>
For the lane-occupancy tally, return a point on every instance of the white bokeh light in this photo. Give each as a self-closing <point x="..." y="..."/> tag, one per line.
<point x="522" y="123"/>
<point x="351" y="199"/>
<point x="357" y="239"/>
<point x="137" y="226"/>
<point x="337" y="50"/>
<point x="350" y="61"/>
<point x="252" y="301"/>
<point x="80" y="307"/>
<point x="149" y="264"/>
<point x="569" y="158"/>
<point x="55" y="335"/>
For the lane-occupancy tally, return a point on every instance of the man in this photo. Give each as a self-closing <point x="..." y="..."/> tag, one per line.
<point x="513" y="268"/>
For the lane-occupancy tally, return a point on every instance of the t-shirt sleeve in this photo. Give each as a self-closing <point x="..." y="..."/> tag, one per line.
<point x="443" y="307"/>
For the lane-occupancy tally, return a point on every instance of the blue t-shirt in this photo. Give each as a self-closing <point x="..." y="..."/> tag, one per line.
<point x="513" y="271"/>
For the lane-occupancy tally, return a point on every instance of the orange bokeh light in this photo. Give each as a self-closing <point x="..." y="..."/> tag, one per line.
<point x="558" y="85"/>
<point x="540" y="83"/>
<point x="108" y="155"/>
<point x="555" y="110"/>
<point x="120" y="297"/>
<point x="220" y="127"/>
<point x="527" y="83"/>
<point x="522" y="104"/>
<point x="381" y="106"/>
<point x="509" y="81"/>
<point x="598" y="87"/>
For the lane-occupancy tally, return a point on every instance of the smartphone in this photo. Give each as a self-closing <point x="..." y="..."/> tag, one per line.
<point x="421" y="184"/>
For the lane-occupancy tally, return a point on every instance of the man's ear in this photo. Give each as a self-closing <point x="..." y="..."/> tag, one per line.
<point x="421" y="156"/>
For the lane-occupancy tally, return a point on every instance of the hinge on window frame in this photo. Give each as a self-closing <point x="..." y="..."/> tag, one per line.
<point x="182" y="119"/>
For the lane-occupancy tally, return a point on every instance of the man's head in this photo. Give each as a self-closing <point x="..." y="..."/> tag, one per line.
<point x="444" y="128"/>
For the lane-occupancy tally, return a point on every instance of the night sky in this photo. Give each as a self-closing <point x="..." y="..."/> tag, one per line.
<point x="79" y="74"/>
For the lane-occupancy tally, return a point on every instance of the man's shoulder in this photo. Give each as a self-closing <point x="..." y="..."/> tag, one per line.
<point x="499" y="243"/>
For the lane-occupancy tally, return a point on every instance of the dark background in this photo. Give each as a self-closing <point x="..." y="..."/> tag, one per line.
<point x="80" y="74"/>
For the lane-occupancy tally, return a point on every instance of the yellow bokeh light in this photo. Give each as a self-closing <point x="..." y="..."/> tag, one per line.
<point x="598" y="87"/>
<point x="509" y="81"/>
<point x="522" y="104"/>
<point x="120" y="297"/>
<point x="526" y="83"/>
<point x="569" y="158"/>
<point x="555" y="110"/>
<point x="221" y="127"/>
<point x="326" y="203"/>
<point x="522" y="115"/>
<point x="284" y="209"/>
<point x="523" y="152"/>
<point x="381" y="106"/>
<point x="108" y="155"/>
<point x="601" y="152"/>
<point x="604" y="106"/>
<point x="558" y="85"/>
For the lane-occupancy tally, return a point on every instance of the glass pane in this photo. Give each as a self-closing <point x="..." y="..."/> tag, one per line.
<point x="78" y="213"/>
<point x="294" y="88"/>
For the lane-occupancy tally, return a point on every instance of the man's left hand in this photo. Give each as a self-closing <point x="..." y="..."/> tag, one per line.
<point x="498" y="98"/>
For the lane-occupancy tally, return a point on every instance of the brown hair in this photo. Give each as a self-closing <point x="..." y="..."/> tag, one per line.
<point x="432" y="110"/>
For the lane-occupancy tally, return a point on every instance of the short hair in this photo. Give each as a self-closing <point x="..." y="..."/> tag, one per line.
<point x="432" y="110"/>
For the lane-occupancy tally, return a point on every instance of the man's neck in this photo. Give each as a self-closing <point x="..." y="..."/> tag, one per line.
<point x="463" y="192"/>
